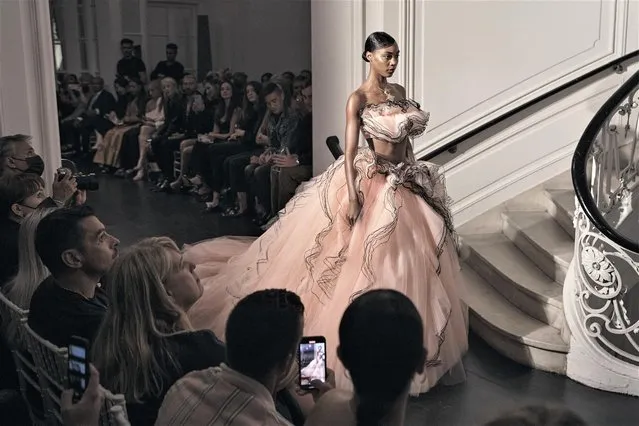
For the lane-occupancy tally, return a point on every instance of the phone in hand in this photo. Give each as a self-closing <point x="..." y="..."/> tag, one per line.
<point x="312" y="361"/>
<point x="78" y="372"/>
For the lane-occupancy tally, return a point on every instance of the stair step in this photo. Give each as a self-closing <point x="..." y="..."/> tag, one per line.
<point x="509" y="330"/>
<point x="496" y="259"/>
<point x="561" y="207"/>
<point x="541" y="238"/>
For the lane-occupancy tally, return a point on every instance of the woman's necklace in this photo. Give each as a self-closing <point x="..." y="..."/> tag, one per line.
<point x="387" y="92"/>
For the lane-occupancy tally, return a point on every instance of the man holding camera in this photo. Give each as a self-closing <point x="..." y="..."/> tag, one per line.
<point x="18" y="156"/>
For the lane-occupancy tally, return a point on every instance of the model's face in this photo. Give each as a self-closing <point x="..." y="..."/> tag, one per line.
<point x="384" y="61"/>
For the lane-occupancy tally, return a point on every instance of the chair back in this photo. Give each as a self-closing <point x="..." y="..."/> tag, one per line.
<point x="333" y="146"/>
<point x="114" y="410"/>
<point x="25" y="367"/>
<point x="51" y="364"/>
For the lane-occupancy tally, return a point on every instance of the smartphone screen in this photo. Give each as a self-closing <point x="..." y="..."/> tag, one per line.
<point x="312" y="361"/>
<point x="78" y="369"/>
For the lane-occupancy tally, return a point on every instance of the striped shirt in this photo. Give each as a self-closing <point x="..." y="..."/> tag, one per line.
<point x="219" y="396"/>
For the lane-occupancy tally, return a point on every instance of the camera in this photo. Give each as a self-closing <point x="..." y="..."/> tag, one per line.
<point x="86" y="182"/>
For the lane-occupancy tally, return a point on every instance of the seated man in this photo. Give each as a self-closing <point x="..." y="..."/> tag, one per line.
<point x="18" y="156"/>
<point x="19" y="196"/>
<point x="296" y="167"/>
<point x="78" y="251"/>
<point x="241" y="393"/>
<point x="101" y="104"/>
<point x="283" y="128"/>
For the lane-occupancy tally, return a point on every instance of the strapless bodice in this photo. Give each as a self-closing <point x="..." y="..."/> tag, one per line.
<point x="393" y="121"/>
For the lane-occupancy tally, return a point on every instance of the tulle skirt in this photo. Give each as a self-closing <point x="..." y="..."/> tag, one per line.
<point x="403" y="240"/>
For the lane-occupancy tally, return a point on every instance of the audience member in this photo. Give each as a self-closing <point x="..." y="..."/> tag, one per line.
<point x="100" y="106"/>
<point x="296" y="166"/>
<point x="20" y="195"/>
<point x="283" y="124"/>
<point x="170" y="67"/>
<point x="31" y="270"/>
<point x="538" y="415"/>
<point x="18" y="156"/>
<point x="146" y="342"/>
<point x="380" y="331"/>
<point x="130" y="67"/>
<point x="78" y="251"/>
<point x="266" y="77"/>
<point x="86" y="412"/>
<point x="241" y="391"/>
<point x="108" y="151"/>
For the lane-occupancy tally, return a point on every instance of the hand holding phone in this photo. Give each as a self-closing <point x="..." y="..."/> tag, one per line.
<point x="312" y="361"/>
<point x="78" y="372"/>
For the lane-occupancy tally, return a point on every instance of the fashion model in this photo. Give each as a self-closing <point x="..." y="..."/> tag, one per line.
<point x="377" y="218"/>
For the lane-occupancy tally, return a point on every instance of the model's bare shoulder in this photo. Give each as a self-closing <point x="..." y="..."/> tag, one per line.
<point x="355" y="102"/>
<point x="399" y="89"/>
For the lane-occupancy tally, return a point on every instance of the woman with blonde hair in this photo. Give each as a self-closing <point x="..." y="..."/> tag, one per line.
<point x="31" y="270"/>
<point x="146" y="341"/>
<point x="172" y="110"/>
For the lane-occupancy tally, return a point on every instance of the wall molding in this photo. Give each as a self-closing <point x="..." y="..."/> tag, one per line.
<point x="610" y="43"/>
<point x="566" y="119"/>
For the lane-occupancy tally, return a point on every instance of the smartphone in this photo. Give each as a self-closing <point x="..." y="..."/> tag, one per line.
<point x="78" y="372"/>
<point x="312" y="361"/>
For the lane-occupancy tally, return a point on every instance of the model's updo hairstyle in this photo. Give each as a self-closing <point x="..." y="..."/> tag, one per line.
<point x="377" y="40"/>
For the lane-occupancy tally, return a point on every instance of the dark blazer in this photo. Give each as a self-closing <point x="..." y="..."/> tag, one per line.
<point x="105" y="103"/>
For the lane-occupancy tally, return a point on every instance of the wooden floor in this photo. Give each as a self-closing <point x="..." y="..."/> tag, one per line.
<point x="131" y="211"/>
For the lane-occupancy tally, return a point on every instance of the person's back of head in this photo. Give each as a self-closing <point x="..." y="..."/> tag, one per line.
<point x="31" y="270"/>
<point x="263" y="332"/>
<point x="131" y="351"/>
<point x="73" y="239"/>
<point x="538" y="415"/>
<point x="20" y="195"/>
<point x="381" y="331"/>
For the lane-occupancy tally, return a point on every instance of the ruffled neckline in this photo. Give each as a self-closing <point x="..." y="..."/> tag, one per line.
<point x="404" y="104"/>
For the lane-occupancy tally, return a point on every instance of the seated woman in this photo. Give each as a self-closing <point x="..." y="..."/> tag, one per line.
<point x="172" y="107"/>
<point x="146" y="342"/>
<point x="31" y="270"/>
<point x="211" y="93"/>
<point x="198" y="122"/>
<point x="108" y="152"/>
<point x="154" y="117"/>
<point x="381" y="331"/>
<point x="226" y="118"/>
<point x="253" y="116"/>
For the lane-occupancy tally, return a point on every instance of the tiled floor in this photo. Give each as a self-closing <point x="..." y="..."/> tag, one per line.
<point x="131" y="211"/>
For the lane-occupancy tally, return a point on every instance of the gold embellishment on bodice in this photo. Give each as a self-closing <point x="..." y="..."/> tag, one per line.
<point x="393" y="121"/>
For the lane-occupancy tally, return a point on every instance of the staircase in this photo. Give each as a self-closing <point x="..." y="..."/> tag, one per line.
<point x="519" y="256"/>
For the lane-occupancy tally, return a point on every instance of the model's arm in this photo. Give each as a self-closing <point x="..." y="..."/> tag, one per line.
<point x="352" y="142"/>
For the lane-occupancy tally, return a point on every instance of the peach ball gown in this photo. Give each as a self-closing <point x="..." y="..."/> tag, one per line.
<point x="404" y="240"/>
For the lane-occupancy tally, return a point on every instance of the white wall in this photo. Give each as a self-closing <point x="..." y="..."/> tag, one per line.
<point x="258" y="36"/>
<point x="469" y="61"/>
<point x="27" y="78"/>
